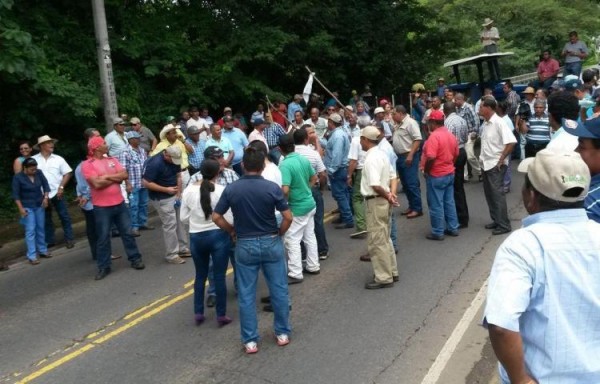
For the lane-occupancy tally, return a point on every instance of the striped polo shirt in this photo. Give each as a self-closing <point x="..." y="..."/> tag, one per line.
<point x="592" y="200"/>
<point x="538" y="129"/>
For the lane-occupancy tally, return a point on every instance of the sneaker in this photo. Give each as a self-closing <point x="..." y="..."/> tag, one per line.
<point x="359" y="235"/>
<point x="251" y="347"/>
<point x="175" y="260"/>
<point x="138" y="264"/>
<point x="211" y="301"/>
<point x="199" y="318"/>
<point x="223" y="320"/>
<point x="185" y="253"/>
<point x="283" y="339"/>
<point x="323" y="255"/>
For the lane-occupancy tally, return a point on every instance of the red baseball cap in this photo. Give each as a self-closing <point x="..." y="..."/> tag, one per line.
<point x="436" y="114"/>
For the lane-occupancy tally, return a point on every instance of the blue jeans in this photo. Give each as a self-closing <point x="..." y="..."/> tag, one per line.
<point x="274" y="155"/>
<point x="409" y="177"/>
<point x="251" y="255"/>
<point x="34" y="232"/>
<point x="211" y="291"/>
<point x="394" y="230"/>
<point x="440" y="198"/>
<point x="119" y="216"/>
<point x="63" y="215"/>
<point x="238" y="169"/>
<point x="322" y="245"/>
<point x="206" y="246"/>
<point x="90" y="230"/>
<point x="138" y="207"/>
<point x="572" y="69"/>
<point x="341" y="194"/>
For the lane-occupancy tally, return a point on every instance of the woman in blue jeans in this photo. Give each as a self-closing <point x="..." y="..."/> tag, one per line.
<point x="30" y="191"/>
<point x="206" y="239"/>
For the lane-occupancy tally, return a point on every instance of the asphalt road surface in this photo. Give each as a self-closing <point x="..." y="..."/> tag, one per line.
<point x="58" y="325"/>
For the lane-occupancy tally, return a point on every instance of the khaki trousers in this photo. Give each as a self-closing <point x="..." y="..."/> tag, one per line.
<point x="379" y="244"/>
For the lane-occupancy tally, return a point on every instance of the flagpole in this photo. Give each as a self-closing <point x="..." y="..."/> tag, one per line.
<point x="276" y="110"/>
<point x="324" y="87"/>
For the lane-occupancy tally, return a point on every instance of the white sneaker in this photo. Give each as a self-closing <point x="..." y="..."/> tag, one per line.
<point x="251" y="347"/>
<point x="175" y="260"/>
<point x="283" y="339"/>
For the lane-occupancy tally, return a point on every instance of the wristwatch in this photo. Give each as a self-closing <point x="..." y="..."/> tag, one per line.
<point x="61" y="187"/>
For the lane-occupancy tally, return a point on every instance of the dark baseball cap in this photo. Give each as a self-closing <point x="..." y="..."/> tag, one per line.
<point x="213" y="152"/>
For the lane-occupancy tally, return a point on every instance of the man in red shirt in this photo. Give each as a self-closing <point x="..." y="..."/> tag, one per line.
<point x="104" y="175"/>
<point x="547" y="71"/>
<point x="439" y="155"/>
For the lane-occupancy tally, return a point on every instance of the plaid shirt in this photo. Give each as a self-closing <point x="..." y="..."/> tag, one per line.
<point x="272" y="133"/>
<point x="195" y="158"/>
<point x="458" y="127"/>
<point x="133" y="162"/>
<point x="225" y="178"/>
<point x="467" y="113"/>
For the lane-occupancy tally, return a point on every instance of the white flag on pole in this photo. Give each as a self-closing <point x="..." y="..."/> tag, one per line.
<point x="307" y="88"/>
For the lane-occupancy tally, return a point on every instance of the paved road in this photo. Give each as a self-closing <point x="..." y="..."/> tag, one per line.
<point x="58" y="325"/>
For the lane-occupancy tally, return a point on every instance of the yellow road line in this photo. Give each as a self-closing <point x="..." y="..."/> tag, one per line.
<point x="93" y="343"/>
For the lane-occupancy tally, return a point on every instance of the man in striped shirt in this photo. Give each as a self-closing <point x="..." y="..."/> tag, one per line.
<point x="536" y="130"/>
<point x="589" y="148"/>
<point x="458" y="127"/>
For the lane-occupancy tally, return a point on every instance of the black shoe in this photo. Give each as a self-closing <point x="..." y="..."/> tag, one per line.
<point x="102" y="274"/>
<point x="265" y="300"/>
<point x="376" y="285"/>
<point x="431" y="236"/>
<point x="318" y="271"/>
<point x="147" y="227"/>
<point x="70" y="244"/>
<point x="451" y="233"/>
<point x="337" y="221"/>
<point x="480" y="178"/>
<point x="293" y="280"/>
<point x="45" y="256"/>
<point x="269" y="308"/>
<point x="491" y="226"/>
<point x="138" y="264"/>
<point x="500" y="231"/>
<point x="461" y="226"/>
<point x="396" y="278"/>
<point x="211" y="301"/>
<point x="344" y="226"/>
<point x="323" y="255"/>
<point x="115" y="234"/>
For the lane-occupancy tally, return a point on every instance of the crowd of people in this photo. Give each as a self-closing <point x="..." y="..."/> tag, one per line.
<point x="252" y="194"/>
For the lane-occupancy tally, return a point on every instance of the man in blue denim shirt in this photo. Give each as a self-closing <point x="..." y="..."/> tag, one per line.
<point x="336" y="162"/>
<point x="259" y="246"/>
<point x="542" y="302"/>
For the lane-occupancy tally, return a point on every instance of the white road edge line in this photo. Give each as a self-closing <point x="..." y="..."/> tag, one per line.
<point x="445" y="354"/>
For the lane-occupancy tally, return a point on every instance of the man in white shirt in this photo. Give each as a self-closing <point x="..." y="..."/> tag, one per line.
<point x="58" y="173"/>
<point x="497" y="143"/>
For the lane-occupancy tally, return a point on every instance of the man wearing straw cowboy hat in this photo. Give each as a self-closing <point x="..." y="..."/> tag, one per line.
<point x="58" y="173"/>
<point x="489" y="36"/>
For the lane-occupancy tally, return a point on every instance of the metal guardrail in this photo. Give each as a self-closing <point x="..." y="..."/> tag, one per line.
<point x="527" y="77"/>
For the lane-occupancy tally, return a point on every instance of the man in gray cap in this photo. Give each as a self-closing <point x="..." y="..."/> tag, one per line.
<point x="542" y="301"/>
<point x="115" y="139"/>
<point x="147" y="139"/>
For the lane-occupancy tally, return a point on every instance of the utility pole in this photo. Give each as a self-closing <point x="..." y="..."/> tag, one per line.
<point x="109" y="95"/>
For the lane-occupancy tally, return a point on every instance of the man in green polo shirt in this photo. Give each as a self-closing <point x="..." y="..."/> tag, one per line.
<point x="298" y="177"/>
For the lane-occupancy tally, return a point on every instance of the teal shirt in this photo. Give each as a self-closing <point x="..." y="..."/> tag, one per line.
<point x="296" y="172"/>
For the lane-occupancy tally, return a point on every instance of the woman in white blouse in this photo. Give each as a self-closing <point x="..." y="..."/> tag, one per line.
<point x="206" y="239"/>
